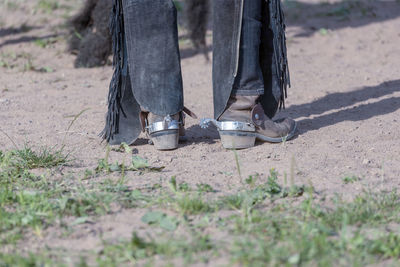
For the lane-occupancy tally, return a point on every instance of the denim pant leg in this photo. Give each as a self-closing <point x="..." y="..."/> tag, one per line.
<point x="153" y="55"/>
<point x="249" y="80"/>
<point x="226" y="24"/>
<point x="236" y="50"/>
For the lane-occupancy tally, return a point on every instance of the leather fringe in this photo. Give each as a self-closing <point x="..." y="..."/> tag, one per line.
<point x="278" y="27"/>
<point x="117" y="84"/>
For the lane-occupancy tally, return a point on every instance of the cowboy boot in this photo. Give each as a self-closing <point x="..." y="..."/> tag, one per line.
<point x="165" y="132"/>
<point x="244" y="121"/>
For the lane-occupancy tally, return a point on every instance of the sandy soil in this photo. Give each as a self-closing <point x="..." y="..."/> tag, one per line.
<point x="345" y="98"/>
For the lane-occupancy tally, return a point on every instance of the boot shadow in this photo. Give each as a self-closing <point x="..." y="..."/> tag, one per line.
<point x="338" y="107"/>
<point x="194" y="135"/>
<point x="197" y="135"/>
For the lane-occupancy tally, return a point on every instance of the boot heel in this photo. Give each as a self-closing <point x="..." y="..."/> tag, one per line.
<point x="165" y="140"/>
<point x="237" y="139"/>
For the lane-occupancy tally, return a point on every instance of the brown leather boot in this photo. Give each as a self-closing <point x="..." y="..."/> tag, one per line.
<point x="244" y="121"/>
<point x="164" y="132"/>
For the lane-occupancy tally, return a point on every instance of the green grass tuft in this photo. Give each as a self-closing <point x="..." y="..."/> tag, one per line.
<point x="48" y="6"/>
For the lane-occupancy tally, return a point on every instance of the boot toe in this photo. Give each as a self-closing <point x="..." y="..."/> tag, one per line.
<point x="290" y="126"/>
<point x="277" y="131"/>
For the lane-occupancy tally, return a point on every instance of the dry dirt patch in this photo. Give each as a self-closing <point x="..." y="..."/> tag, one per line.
<point x="344" y="61"/>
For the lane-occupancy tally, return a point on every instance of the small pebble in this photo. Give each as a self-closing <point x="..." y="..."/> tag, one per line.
<point x="366" y="162"/>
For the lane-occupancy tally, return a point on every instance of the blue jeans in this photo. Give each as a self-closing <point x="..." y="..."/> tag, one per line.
<point x="153" y="52"/>
<point x="249" y="79"/>
<point x="244" y="59"/>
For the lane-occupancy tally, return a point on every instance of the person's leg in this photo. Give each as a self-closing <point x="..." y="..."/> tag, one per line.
<point x="226" y="34"/>
<point x="249" y="79"/>
<point x="152" y="64"/>
<point x="236" y="51"/>
<point x="153" y="55"/>
<point x="241" y="76"/>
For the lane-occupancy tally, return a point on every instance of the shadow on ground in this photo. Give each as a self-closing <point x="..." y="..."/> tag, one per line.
<point x="197" y="134"/>
<point x="312" y="17"/>
<point x="194" y="135"/>
<point x="348" y="99"/>
<point x="13" y="30"/>
<point x="26" y="39"/>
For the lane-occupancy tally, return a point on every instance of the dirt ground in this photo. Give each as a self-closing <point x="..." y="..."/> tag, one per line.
<point x="345" y="96"/>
